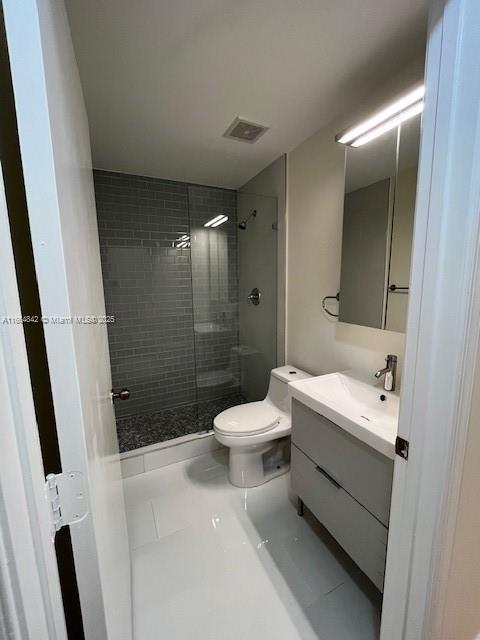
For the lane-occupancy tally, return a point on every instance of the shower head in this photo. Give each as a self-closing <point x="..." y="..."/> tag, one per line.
<point x="243" y="223"/>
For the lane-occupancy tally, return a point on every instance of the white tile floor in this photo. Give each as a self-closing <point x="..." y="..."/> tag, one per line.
<point x="214" y="562"/>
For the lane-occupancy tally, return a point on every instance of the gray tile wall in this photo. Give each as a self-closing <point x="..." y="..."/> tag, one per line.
<point x="148" y="288"/>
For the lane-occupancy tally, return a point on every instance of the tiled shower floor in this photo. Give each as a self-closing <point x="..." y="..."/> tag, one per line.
<point x="150" y="428"/>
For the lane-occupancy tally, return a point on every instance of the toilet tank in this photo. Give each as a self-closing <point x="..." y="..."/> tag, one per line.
<point x="278" y="387"/>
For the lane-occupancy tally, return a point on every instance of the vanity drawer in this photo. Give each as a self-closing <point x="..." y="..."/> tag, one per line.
<point x="363" y="472"/>
<point x="362" y="536"/>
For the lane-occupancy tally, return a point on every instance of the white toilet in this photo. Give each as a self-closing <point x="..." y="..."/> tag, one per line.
<point x="257" y="432"/>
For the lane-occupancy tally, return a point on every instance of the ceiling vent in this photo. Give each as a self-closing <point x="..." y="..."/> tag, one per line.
<point x="245" y="131"/>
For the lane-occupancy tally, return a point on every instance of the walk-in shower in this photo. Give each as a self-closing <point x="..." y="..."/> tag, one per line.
<point x="186" y="340"/>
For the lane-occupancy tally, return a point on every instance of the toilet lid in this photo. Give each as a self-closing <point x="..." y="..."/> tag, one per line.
<point x="247" y="419"/>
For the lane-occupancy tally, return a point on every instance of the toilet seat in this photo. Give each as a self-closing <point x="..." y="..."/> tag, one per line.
<point x="248" y="419"/>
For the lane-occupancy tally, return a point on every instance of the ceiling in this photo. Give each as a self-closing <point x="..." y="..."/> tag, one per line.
<point x="163" y="79"/>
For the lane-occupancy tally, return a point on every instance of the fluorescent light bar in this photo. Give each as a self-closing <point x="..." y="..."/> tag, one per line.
<point x="381" y="116"/>
<point x="219" y="222"/>
<point x="211" y="222"/>
<point x="390" y="124"/>
<point x="181" y="245"/>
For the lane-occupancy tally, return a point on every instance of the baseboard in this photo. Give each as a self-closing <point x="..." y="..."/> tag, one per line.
<point x="162" y="454"/>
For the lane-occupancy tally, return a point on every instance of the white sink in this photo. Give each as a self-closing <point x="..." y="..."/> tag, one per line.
<point x="356" y="404"/>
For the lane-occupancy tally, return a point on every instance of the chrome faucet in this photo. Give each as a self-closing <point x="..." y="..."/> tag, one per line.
<point x="390" y="373"/>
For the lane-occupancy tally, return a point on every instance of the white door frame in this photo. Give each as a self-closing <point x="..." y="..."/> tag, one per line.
<point x="56" y="161"/>
<point x="32" y="607"/>
<point x="443" y="322"/>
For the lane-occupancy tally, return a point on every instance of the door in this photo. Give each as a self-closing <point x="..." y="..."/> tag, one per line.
<point x="442" y="331"/>
<point x="31" y="602"/>
<point x="55" y="149"/>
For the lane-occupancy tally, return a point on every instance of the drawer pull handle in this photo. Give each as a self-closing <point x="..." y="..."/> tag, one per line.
<point x="328" y="477"/>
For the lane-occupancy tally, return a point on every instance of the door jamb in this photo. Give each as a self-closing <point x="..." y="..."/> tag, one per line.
<point x="33" y="606"/>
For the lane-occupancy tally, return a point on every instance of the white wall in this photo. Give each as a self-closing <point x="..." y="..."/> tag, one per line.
<point x="315" y="186"/>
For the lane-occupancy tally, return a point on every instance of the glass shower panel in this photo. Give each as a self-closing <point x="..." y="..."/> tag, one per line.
<point x="214" y="260"/>
<point x="189" y="339"/>
<point x="257" y="260"/>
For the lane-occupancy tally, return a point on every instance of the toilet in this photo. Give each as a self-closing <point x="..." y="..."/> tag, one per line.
<point x="257" y="433"/>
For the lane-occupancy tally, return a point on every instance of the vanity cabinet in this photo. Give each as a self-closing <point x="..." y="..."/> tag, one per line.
<point x="346" y="484"/>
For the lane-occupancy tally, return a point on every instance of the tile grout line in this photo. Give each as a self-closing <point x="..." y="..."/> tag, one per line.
<point x="154" y="519"/>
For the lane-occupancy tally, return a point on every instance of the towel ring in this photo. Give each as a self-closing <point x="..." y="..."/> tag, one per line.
<point x="324" y="305"/>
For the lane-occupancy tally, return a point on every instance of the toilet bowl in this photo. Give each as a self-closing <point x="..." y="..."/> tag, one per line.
<point x="257" y="433"/>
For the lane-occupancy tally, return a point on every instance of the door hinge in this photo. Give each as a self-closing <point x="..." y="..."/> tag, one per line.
<point x="401" y="447"/>
<point x="65" y="493"/>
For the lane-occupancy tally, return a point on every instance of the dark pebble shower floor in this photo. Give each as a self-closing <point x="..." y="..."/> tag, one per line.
<point x="143" y="430"/>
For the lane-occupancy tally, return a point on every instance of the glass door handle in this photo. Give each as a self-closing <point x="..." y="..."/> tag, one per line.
<point x="120" y="394"/>
<point x="254" y="297"/>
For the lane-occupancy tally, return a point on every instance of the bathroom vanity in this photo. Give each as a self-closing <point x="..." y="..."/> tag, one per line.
<point x="343" y="434"/>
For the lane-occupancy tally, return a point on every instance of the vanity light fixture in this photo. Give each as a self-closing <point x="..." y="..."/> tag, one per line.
<point x="217" y="221"/>
<point x="388" y="118"/>
<point x="389" y="124"/>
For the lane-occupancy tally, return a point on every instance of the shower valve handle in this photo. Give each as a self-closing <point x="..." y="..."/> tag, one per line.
<point x="254" y="296"/>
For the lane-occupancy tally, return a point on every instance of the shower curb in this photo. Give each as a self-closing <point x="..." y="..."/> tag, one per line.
<point x="162" y="454"/>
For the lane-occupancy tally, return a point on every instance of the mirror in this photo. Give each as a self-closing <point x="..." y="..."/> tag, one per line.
<point x="402" y="227"/>
<point x="378" y="216"/>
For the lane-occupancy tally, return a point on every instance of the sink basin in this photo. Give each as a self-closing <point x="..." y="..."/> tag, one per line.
<point x="354" y="403"/>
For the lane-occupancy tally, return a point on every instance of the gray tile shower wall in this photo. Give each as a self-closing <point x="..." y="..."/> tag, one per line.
<point x="148" y="288"/>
